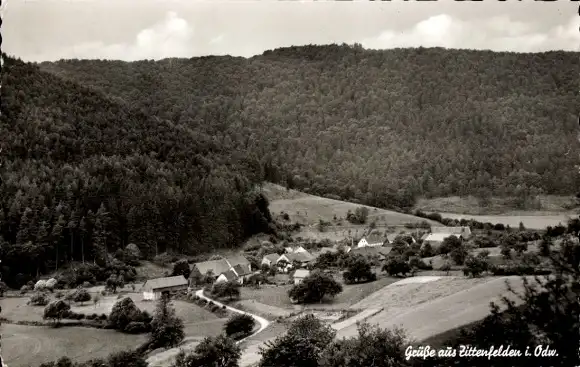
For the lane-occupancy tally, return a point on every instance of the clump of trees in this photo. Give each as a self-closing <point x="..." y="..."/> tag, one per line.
<point x="239" y="326"/>
<point x="359" y="216"/>
<point x="359" y="270"/>
<point x="396" y="266"/>
<point x="125" y="316"/>
<point x="314" y="288"/>
<point x="219" y="351"/>
<point x="229" y="290"/>
<point x="181" y="267"/>
<point x="167" y="330"/>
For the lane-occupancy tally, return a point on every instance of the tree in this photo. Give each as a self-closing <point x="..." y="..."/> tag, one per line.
<point x="181" y="267"/>
<point x="82" y="296"/>
<point x="459" y="254"/>
<point x="475" y="265"/>
<point x="301" y="346"/>
<point x="314" y="287"/>
<point x="427" y="250"/>
<point x="520" y="247"/>
<point x="545" y="249"/>
<point x="359" y="270"/>
<point x="446" y="267"/>
<point x="127" y="359"/>
<point x="114" y="282"/>
<point x="372" y="347"/>
<point x="241" y="324"/>
<point x="56" y="311"/>
<point x="123" y="312"/>
<point x="167" y="330"/>
<point x="449" y="244"/>
<point x="3" y="288"/>
<point x="219" y="351"/>
<point x="396" y="266"/>
<point x="229" y="289"/>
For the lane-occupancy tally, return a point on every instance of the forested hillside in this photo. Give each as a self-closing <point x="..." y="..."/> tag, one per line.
<point x="83" y="175"/>
<point x="381" y="127"/>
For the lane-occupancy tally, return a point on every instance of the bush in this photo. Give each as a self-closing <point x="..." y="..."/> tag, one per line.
<point x="82" y="295"/>
<point x="24" y="289"/>
<point x="39" y="299"/>
<point x="241" y="324"/>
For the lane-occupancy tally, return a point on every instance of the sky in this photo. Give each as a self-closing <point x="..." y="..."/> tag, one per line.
<point x="48" y="30"/>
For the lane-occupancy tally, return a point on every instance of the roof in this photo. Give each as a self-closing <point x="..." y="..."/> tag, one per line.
<point x="451" y="230"/>
<point x="229" y="275"/>
<point x="437" y="237"/>
<point x="237" y="259"/>
<point x="272" y="257"/>
<point x="242" y="270"/>
<point x="371" y="251"/>
<point x="301" y="273"/>
<point x="324" y="250"/>
<point x="374" y="238"/>
<point x="289" y="250"/>
<point x="215" y="266"/>
<point x="300" y="256"/>
<point x="168" y="282"/>
<point x="391" y="236"/>
<point x="423" y="237"/>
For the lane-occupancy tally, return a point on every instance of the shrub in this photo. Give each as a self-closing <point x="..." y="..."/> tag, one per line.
<point x="82" y="295"/>
<point x="39" y="299"/>
<point x="137" y="327"/>
<point x="56" y="310"/>
<point x="24" y="289"/>
<point x="86" y="285"/>
<point x="239" y="324"/>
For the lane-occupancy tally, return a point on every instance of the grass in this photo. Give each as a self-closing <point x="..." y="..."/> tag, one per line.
<point x="309" y="209"/>
<point x="428" y="309"/>
<point x="32" y="345"/>
<point x="278" y="296"/>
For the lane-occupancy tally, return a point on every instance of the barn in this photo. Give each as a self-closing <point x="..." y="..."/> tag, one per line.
<point x="154" y="288"/>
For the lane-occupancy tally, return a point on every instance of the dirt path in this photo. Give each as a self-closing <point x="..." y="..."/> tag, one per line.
<point x="165" y="358"/>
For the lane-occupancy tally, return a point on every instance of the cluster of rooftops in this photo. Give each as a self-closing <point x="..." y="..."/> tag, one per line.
<point x="237" y="267"/>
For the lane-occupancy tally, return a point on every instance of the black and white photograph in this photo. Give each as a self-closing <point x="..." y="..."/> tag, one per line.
<point x="300" y="183"/>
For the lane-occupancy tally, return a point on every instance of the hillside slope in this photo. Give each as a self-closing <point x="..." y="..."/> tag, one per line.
<point x="430" y="308"/>
<point x="382" y="127"/>
<point x="83" y="175"/>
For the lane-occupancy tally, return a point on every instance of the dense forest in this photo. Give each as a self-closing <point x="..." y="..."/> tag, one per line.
<point x="84" y="175"/>
<point x="379" y="127"/>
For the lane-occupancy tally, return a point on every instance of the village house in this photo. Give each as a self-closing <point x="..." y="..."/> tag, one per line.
<point x="377" y="252"/>
<point x="299" y="275"/>
<point x="154" y="288"/>
<point x="293" y="250"/>
<point x="228" y="276"/>
<point x="371" y="240"/>
<point x="300" y="258"/>
<point x="270" y="259"/>
<point x="221" y="266"/>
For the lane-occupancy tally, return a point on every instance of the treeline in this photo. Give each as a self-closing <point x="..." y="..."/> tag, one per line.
<point x="377" y="127"/>
<point x="84" y="175"/>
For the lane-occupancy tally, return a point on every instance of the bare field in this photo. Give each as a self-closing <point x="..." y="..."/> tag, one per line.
<point x="33" y="345"/>
<point x="549" y="205"/>
<point x="529" y="221"/>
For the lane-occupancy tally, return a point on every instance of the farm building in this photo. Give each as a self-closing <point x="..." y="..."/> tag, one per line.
<point x="270" y="259"/>
<point x="154" y="288"/>
<point x="371" y="240"/>
<point x="293" y="250"/>
<point x="379" y="252"/>
<point x="299" y="275"/>
<point x="242" y="272"/>
<point x="218" y="267"/>
<point x="463" y="232"/>
<point x="302" y="258"/>
<point x="228" y="276"/>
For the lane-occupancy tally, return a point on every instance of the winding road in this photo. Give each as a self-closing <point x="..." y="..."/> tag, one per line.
<point x="166" y="357"/>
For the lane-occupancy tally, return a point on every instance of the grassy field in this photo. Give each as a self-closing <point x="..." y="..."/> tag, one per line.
<point x="32" y="345"/>
<point x="546" y="205"/>
<point x="278" y="296"/>
<point x="428" y="309"/>
<point x="310" y="209"/>
<point x="47" y="343"/>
